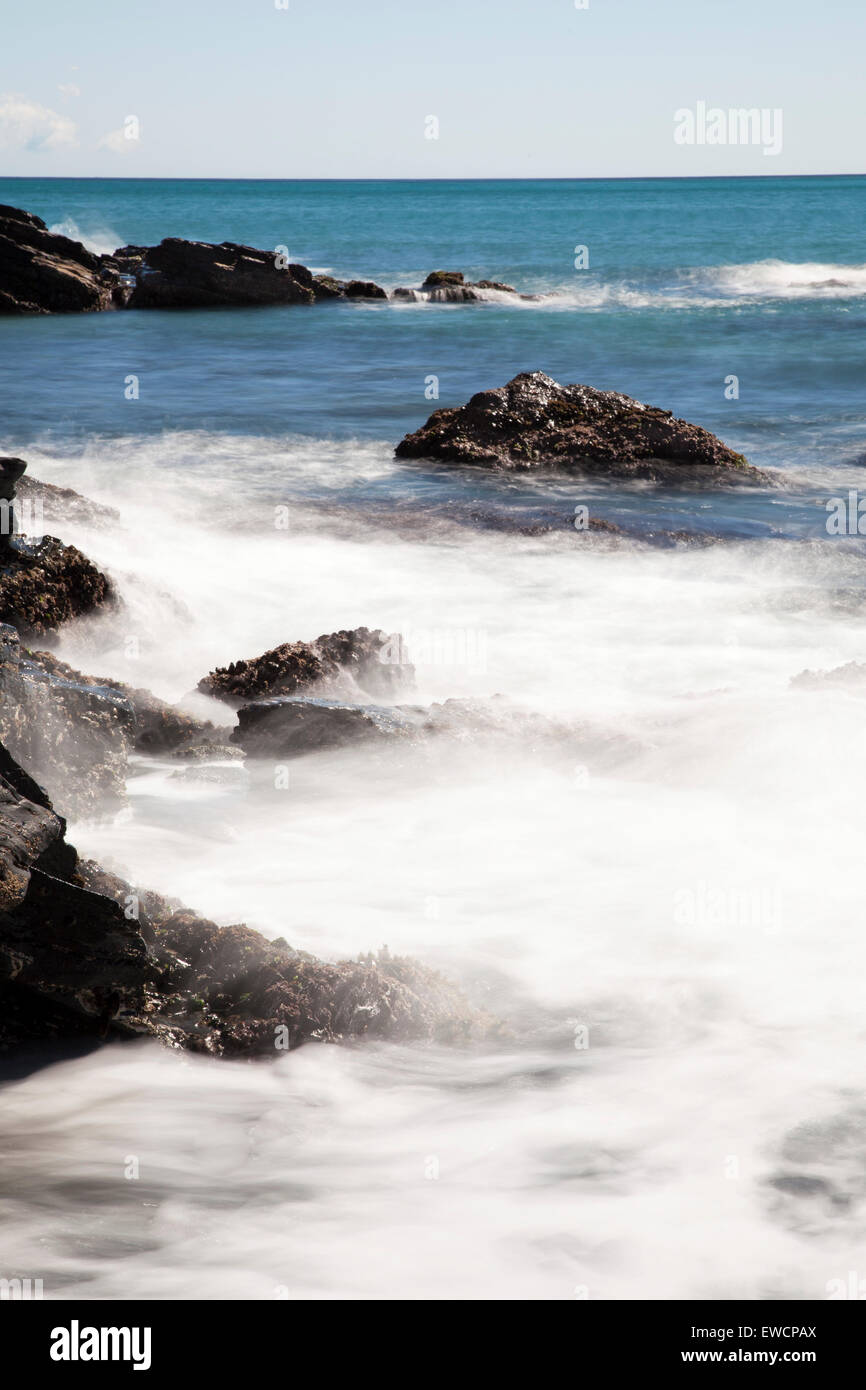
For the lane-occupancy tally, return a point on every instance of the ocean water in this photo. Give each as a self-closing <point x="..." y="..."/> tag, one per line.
<point x="674" y="939"/>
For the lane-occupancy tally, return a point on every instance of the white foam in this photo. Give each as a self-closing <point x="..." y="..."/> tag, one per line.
<point x="97" y="237"/>
<point x="712" y="1033"/>
<point x="713" y="287"/>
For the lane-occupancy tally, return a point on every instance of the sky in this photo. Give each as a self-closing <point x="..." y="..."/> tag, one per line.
<point x="442" y="89"/>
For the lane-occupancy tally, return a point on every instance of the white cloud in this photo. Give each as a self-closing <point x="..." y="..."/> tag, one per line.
<point x="122" y="141"/>
<point x="24" y="124"/>
<point x="69" y="89"/>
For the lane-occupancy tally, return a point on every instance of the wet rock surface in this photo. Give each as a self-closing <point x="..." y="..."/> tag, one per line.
<point x="534" y="422"/>
<point x="451" y="287"/>
<point x="295" y="726"/>
<point x="360" y="659"/>
<point x="72" y="738"/>
<point x="288" y="726"/>
<point x="44" y="584"/>
<point x="74" y="733"/>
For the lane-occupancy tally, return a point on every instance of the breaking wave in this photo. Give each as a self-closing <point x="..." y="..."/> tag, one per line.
<point x="98" y="238"/>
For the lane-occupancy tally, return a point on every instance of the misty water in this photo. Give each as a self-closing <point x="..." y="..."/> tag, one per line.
<point x="663" y="908"/>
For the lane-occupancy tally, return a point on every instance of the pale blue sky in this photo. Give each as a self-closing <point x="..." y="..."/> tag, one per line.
<point x="341" y="89"/>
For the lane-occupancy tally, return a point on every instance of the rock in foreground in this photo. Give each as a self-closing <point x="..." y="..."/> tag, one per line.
<point x="534" y="422"/>
<point x="84" y="954"/>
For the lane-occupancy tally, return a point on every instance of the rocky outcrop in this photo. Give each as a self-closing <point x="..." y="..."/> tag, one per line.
<point x="43" y="583"/>
<point x="534" y="422"/>
<point x="287" y="726"/>
<point x="157" y="726"/>
<point x="451" y="287"/>
<point x="74" y="733"/>
<point x="348" y="661"/>
<point x="197" y="274"/>
<point x="85" y="954"/>
<point x="73" y="738"/>
<point x="70" y="960"/>
<point x="43" y="273"/>
<point x="295" y="726"/>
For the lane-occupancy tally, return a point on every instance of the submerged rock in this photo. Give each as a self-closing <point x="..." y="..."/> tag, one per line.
<point x="85" y="954"/>
<point x="295" y="726"/>
<point x="157" y="726"/>
<point x="534" y="422"/>
<point x="43" y="273"/>
<point x="363" y="289"/>
<point x="74" y="733"/>
<point x="71" y="737"/>
<point x="451" y="287"/>
<point x="361" y="659"/>
<point x="851" y="676"/>
<point x="62" y="504"/>
<point x="288" y="726"/>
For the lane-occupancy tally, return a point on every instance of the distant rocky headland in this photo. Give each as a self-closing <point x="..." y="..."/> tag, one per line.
<point x="42" y="272"/>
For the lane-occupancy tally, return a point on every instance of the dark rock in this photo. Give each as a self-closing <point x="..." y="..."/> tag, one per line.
<point x="290" y="727"/>
<point x="157" y="727"/>
<point x="44" y="584"/>
<point x="257" y="998"/>
<point x="72" y="738"/>
<point x="451" y="287"/>
<point x="85" y="954"/>
<point x="69" y="958"/>
<point x="534" y="422"/>
<point x="74" y="733"/>
<point x="197" y="274"/>
<point x="338" y="661"/>
<point x="43" y="273"/>
<point x="443" y="277"/>
<point x="364" y="289"/>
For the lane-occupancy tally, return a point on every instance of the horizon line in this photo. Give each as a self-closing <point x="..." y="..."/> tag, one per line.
<point x="463" y="178"/>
